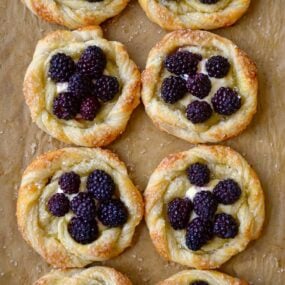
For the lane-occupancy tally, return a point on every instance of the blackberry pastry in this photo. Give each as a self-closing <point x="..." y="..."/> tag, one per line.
<point x="81" y="88"/>
<point x="78" y="205"/>
<point x="199" y="87"/>
<point x="203" y="206"/>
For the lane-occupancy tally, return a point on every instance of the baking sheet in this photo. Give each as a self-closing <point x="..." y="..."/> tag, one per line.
<point x="260" y="32"/>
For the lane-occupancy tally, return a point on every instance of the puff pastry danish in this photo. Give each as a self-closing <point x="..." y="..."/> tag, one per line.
<point x="76" y="14"/>
<point x="202" y="277"/>
<point x="199" y="86"/>
<point x="203" y="206"/>
<point x="81" y="88"/>
<point x="93" y="275"/>
<point x="78" y="205"/>
<point x="194" y="14"/>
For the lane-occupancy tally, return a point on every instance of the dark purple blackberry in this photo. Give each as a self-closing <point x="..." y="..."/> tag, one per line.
<point x="199" y="85"/>
<point x="209" y="1"/>
<point x="173" y="88"/>
<point x="227" y="192"/>
<point x="65" y="106"/>
<point x="58" y="204"/>
<point x="182" y="62"/>
<point x="82" y="230"/>
<point x="198" y="233"/>
<point x="106" y="87"/>
<point x="178" y="213"/>
<point x="92" y="1"/>
<point x="83" y="205"/>
<point x="199" y="282"/>
<point x="205" y="205"/>
<point x="226" y="101"/>
<point x="69" y="182"/>
<point x="89" y="108"/>
<point x="61" y="67"/>
<point x="198" y="174"/>
<point x="92" y="62"/>
<point x="101" y="185"/>
<point x="217" y="66"/>
<point x="198" y="112"/>
<point x="79" y="86"/>
<point x="112" y="213"/>
<point x="225" y="226"/>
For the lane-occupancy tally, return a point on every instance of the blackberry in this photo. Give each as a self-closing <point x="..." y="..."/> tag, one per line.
<point x="61" y="67"/>
<point x="112" y="213"/>
<point x="209" y="1"/>
<point x="92" y="62"/>
<point x="182" y="62"/>
<point x="173" y="88"/>
<point x="227" y="192"/>
<point x="199" y="282"/>
<point x="79" y="86"/>
<point x="198" y="112"/>
<point x="58" y="205"/>
<point x="106" y="87"/>
<point x="65" y="106"/>
<point x="205" y="205"/>
<point x="226" y="101"/>
<point x="89" y="108"/>
<point x="198" y="233"/>
<point x="83" y="205"/>
<point x="82" y="230"/>
<point x="217" y="66"/>
<point x="101" y="185"/>
<point x="225" y="226"/>
<point x="199" y="85"/>
<point x="178" y="212"/>
<point x="92" y="1"/>
<point x="198" y="174"/>
<point x="69" y="182"/>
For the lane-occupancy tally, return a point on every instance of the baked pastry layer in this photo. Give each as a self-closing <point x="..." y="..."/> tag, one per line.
<point x="98" y="275"/>
<point x="212" y="277"/>
<point x="242" y="77"/>
<point x="169" y="181"/>
<point x="193" y="14"/>
<point x="49" y="235"/>
<point x="40" y="91"/>
<point x="76" y="14"/>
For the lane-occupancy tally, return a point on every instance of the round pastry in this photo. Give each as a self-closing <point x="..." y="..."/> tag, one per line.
<point x="194" y="14"/>
<point x="203" y="206"/>
<point x="93" y="275"/>
<point x="76" y="14"/>
<point x="199" y="87"/>
<point x="78" y="205"/>
<point x="202" y="277"/>
<point x="81" y="88"/>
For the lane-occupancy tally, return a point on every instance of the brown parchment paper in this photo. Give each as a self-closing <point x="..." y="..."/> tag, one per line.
<point x="260" y="33"/>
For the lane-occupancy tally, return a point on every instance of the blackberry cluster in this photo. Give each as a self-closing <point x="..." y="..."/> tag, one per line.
<point x="69" y="182"/>
<point x="58" y="205"/>
<point x="178" y="213"/>
<point x="173" y="88"/>
<point x="199" y="85"/>
<point x="217" y="66"/>
<point x="198" y="174"/>
<point x="225" y="226"/>
<point x="65" y="106"/>
<point x="89" y="108"/>
<point x="198" y="112"/>
<point x="106" y="87"/>
<point x="205" y="205"/>
<point x="199" y="282"/>
<point x="227" y="192"/>
<point x="209" y="1"/>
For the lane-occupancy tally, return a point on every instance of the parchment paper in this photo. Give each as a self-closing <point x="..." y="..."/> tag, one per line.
<point x="260" y="33"/>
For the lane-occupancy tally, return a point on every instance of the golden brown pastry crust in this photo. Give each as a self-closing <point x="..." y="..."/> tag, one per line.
<point x="47" y="234"/>
<point x="40" y="91"/>
<point x="174" y="121"/>
<point x="174" y="15"/>
<point x="75" y="14"/>
<point x="169" y="181"/>
<point x="99" y="274"/>
<point x="211" y="276"/>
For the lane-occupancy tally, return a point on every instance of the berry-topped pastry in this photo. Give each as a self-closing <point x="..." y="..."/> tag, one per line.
<point x="81" y="88"/>
<point x="76" y="13"/>
<point x="199" y="87"/>
<point x="202" y="277"/>
<point x="203" y="206"/>
<point x="194" y="14"/>
<point x="97" y="275"/>
<point x="78" y="205"/>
